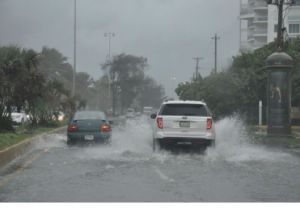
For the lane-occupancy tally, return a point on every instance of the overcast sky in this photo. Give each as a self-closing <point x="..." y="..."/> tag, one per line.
<point x="169" y="33"/>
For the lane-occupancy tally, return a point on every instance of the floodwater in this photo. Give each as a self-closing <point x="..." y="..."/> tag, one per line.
<point x="129" y="171"/>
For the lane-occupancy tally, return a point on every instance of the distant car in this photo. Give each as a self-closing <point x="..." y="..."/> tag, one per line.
<point x="147" y="110"/>
<point x="19" y="118"/>
<point x="60" y="116"/>
<point x="183" y="123"/>
<point x="130" y="113"/>
<point x="89" y="126"/>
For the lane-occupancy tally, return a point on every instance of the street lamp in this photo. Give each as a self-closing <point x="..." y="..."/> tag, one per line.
<point x="109" y="35"/>
<point x="74" y="65"/>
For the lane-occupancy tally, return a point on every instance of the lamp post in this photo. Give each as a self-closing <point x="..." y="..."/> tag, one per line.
<point x="110" y="35"/>
<point x="74" y="65"/>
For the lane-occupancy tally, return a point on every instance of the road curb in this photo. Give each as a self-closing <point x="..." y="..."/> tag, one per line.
<point x="10" y="153"/>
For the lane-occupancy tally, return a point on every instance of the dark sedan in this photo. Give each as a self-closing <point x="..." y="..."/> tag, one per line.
<point x="89" y="126"/>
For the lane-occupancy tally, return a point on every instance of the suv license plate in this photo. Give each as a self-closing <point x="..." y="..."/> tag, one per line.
<point x="186" y="143"/>
<point x="89" y="137"/>
<point x="184" y="124"/>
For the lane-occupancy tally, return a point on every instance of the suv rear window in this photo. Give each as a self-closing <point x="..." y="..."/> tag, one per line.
<point x="184" y="110"/>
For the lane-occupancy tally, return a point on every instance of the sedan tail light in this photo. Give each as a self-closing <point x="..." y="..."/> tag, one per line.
<point x="209" y="123"/>
<point x="105" y="128"/>
<point x="160" y="123"/>
<point x="73" y="128"/>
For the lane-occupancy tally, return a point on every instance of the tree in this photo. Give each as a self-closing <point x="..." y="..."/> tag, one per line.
<point x="240" y="88"/>
<point x="150" y="93"/>
<point x="21" y="82"/>
<point x="127" y="75"/>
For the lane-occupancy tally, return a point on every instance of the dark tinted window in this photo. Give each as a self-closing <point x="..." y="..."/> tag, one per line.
<point x="184" y="110"/>
<point x="87" y="115"/>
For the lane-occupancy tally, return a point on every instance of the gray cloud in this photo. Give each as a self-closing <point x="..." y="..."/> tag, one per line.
<point x="168" y="32"/>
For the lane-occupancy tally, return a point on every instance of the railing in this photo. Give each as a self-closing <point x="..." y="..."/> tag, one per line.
<point x="260" y="4"/>
<point x="261" y="19"/>
<point x="261" y="32"/>
<point x="245" y="9"/>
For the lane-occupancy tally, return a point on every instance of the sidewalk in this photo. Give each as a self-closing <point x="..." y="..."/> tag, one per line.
<point x="287" y="141"/>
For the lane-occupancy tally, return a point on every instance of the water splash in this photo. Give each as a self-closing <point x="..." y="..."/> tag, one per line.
<point x="233" y="144"/>
<point x="133" y="142"/>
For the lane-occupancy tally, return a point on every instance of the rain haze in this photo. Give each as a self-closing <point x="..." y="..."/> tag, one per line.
<point x="111" y="132"/>
<point x="169" y="33"/>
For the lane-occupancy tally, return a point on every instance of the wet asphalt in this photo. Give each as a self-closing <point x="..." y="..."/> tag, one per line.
<point x="129" y="171"/>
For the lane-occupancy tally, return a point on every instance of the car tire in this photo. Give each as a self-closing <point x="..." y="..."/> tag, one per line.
<point x="70" y="142"/>
<point x="155" y="145"/>
<point x="213" y="144"/>
<point x="108" y="141"/>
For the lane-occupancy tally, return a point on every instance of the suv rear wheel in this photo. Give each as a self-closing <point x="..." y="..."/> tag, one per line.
<point x="155" y="145"/>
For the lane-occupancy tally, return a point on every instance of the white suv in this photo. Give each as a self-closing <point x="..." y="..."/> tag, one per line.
<point x="183" y="123"/>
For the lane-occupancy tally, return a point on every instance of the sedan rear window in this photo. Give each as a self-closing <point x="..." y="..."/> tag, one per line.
<point x="184" y="110"/>
<point x="89" y="115"/>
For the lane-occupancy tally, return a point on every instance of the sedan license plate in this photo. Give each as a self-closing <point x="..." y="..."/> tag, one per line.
<point x="88" y="137"/>
<point x="184" y="124"/>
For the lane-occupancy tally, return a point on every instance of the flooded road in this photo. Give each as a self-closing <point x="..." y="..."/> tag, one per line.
<point x="128" y="171"/>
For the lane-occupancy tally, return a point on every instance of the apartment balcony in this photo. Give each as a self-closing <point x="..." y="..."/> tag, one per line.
<point x="245" y="9"/>
<point x="245" y="46"/>
<point x="260" y="5"/>
<point x="250" y="39"/>
<point x="260" y="33"/>
<point x="246" y="12"/>
<point x="261" y="20"/>
<point x="259" y="44"/>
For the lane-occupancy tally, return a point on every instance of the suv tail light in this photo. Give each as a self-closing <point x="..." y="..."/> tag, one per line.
<point x="209" y="123"/>
<point x="105" y="128"/>
<point x="72" y="128"/>
<point x="160" y="123"/>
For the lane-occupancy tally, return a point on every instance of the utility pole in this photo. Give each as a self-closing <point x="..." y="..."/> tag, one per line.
<point x="280" y="29"/>
<point x="110" y="35"/>
<point x="74" y="65"/>
<point x="216" y="38"/>
<point x="197" y="66"/>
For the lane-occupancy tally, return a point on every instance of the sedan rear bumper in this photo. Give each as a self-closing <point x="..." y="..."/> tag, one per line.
<point x="88" y="136"/>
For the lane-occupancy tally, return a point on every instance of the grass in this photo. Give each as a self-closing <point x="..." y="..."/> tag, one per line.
<point x="293" y="141"/>
<point x="22" y="133"/>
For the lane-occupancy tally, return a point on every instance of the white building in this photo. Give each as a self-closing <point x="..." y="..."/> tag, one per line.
<point x="259" y="23"/>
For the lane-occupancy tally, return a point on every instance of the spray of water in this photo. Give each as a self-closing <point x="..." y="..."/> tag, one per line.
<point x="133" y="142"/>
<point x="233" y="144"/>
<point x="130" y="142"/>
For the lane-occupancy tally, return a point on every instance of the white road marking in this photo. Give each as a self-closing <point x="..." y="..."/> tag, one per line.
<point x="162" y="175"/>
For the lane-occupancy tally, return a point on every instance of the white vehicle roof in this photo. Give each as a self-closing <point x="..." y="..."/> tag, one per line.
<point x="184" y="102"/>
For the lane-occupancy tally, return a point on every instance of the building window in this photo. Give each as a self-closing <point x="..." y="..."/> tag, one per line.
<point x="275" y="28"/>
<point x="294" y="28"/>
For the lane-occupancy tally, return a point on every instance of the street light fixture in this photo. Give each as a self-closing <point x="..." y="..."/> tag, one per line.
<point x="109" y="35"/>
